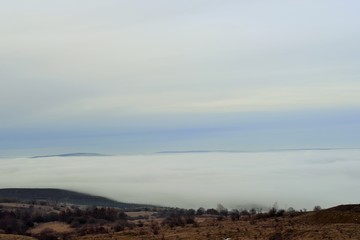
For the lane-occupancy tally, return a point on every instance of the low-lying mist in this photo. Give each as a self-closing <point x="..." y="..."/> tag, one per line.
<point x="299" y="179"/>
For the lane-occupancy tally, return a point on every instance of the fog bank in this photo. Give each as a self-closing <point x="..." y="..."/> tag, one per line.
<point x="300" y="179"/>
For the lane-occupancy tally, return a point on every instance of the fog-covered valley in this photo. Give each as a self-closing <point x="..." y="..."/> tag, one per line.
<point x="294" y="178"/>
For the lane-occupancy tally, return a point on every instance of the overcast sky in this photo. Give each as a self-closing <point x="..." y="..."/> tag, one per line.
<point x="146" y="76"/>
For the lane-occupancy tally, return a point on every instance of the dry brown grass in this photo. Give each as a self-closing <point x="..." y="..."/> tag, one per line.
<point x="281" y="228"/>
<point x="14" y="237"/>
<point x="339" y="214"/>
<point x="137" y="214"/>
<point x="341" y="222"/>
<point x="58" y="227"/>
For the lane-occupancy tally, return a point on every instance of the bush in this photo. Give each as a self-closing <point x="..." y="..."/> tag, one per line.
<point x="140" y="224"/>
<point x="189" y="219"/>
<point x="155" y="227"/>
<point x="119" y="227"/>
<point x="245" y="213"/>
<point x="317" y="208"/>
<point x="272" y="212"/>
<point x="122" y="224"/>
<point x="280" y="213"/>
<point x="86" y="230"/>
<point x="10" y="224"/>
<point x="47" y="234"/>
<point x="200" y="211"/>
<point x="212" y="211"/>
<point x="174" y="221"/>
<point x="253" y="211"/>
<point x="235" y="215"/>
<point x="276" y="236"/>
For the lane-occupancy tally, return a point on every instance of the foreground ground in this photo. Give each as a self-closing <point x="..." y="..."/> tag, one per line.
<point x="209" y="229"/>
<point x="341" y="222"/>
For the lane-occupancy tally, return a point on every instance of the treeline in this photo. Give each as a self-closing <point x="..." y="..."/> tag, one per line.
<point x="20" y="220"/>
<point x="174" y="217"/>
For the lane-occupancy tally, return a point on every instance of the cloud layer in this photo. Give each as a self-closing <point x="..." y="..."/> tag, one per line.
<point x="301" y="179"/>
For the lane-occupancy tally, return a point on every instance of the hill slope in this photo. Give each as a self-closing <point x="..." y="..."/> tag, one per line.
<point x="340" y="214"/>
<point x="63" y="196"/>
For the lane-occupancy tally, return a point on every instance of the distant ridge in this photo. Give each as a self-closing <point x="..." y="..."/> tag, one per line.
<point x="73" y="155"/>
<point x="254" y="151"/>
<point x="64" y="196"/>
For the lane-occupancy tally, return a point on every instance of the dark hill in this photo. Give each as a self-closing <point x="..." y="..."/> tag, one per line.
<point x="346" y="208"/>
<point x="63" y="196"/>
<point x="340" y="214"/>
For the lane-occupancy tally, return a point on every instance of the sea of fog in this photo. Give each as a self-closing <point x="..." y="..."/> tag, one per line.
<point x="299" y="179"/>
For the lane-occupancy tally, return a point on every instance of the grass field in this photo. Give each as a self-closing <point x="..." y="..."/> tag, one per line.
<point x="272" y="229"/>
<point x="341" y="222"/>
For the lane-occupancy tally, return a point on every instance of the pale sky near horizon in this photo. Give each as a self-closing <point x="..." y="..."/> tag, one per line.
<point x="146" y="76"/>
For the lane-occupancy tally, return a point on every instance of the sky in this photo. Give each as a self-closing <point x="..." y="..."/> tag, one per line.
<point x="133" y="77"/>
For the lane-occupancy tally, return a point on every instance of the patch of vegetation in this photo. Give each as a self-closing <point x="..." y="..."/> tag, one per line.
<point x="43" y="220"/>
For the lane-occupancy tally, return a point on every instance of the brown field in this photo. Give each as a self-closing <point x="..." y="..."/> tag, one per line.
<point x="338" y="223"/>
<point x="58" y="227"/>
<point x="212" y="229"/>
<point x="272" y="229"/>
<point x="14" y="237"/>
<point x="141" y="213"/>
